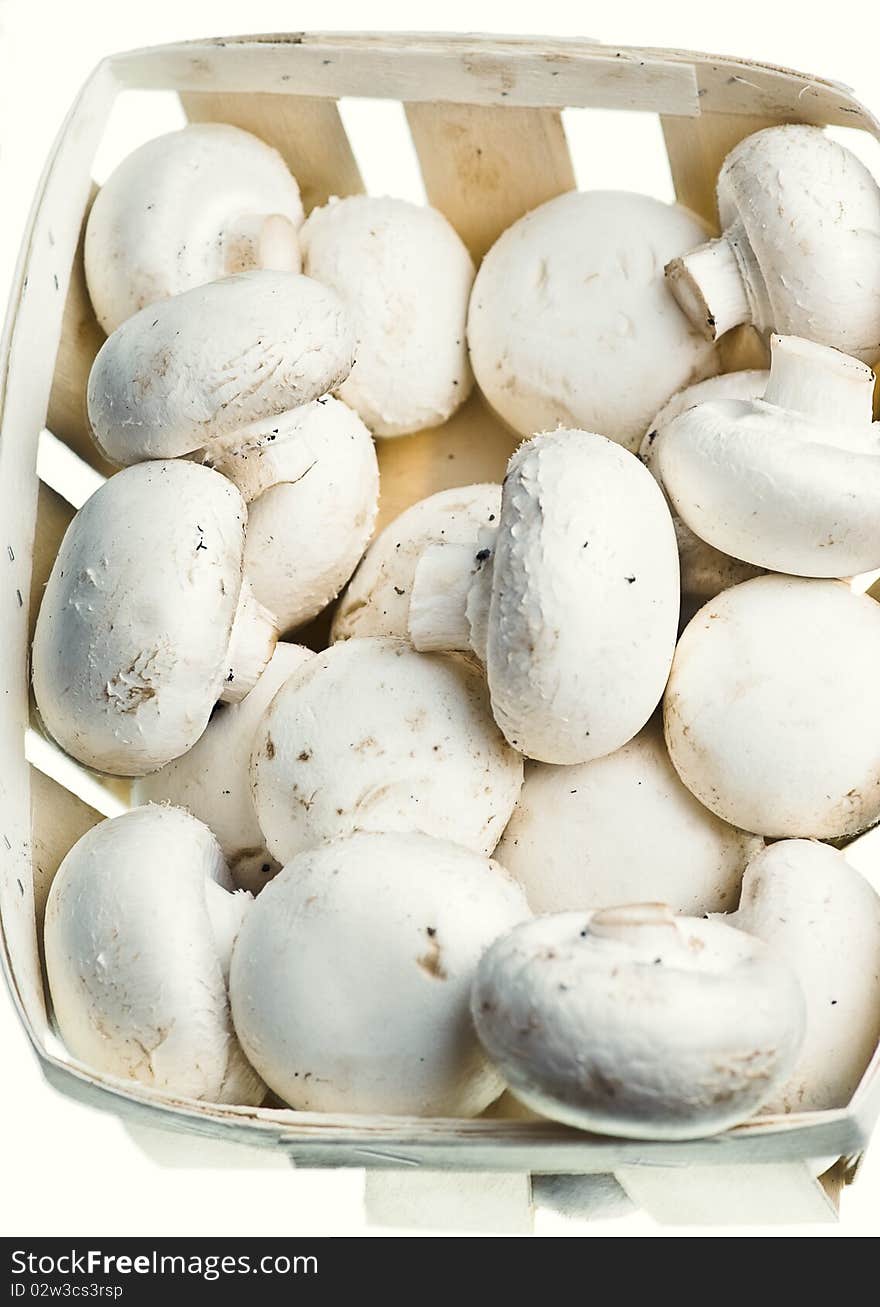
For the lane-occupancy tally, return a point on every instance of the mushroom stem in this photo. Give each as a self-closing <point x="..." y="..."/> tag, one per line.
<point x="226" y="911"/>
<point x="636" y="924"/>
<point x="447" y="604"/>
<point x="819" y="381"/>
<point x="261" y="241"/>
<point x="251" y="644"/>
<point x="714" y="284"/>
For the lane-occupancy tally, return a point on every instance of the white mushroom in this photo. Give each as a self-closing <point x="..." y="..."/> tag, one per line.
<point x="370" y="735"/>
<point x="772" y="712"/>
<point x="145" y="621"/>
<point x="638" y="1023"/>
<point x="234" y="372"/>
<point x="621" y="829"/>
<point x="823" y="918"/>
<point x="311" y="482"/>
<point x="405" y="276"/>
<point x="184" y="209"/>
<point x="705" y="571"/>
<point x="790" y="481"/>
<point x="212" y="780"/>
<point x="800" y="253"/>
<point x="571" y="603"/>
<point x="139" y="931"/>
<point x="571" y="323"/>
<point x="376" y="600"/>
<point x="351" y="977"/>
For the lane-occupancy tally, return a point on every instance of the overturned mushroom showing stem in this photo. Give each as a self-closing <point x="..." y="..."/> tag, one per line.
<point x="571" y="323"/>
<point x="800" y="253"/>
<point x="634" y="1022"/>
<point x="823" y="918"/>
<point x="622" y="827"/>
<point x="370" y="735"/>
<point x="140" y="926"/>
<point x="790" y="481"/>
<point x="351" y="977"/>
<point x="405" y="276"/>
<point x="705" y="571"/>
<point x="571" y="602"/>
<point x="145" y="621"/>
<point x="234" y="373"/>
<point x="772" y="712"/>
<point x="376" y="600"/>
<point x="188" y="208"/>
<point x="212" y="780"/>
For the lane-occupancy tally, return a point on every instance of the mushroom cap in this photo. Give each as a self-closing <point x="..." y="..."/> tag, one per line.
<point x="405" y="275"/>
<point x="166" y="218"/>
<point x="621" y="828"/>
<point x="571" y="322"/>
<point x="376" y="602"/>
<point x="205" y="363"/>
<point x="772" y="712"/>
<point x="634" y="1022"/>
<point x="370" y="735"/>
<point x="212" y="780"/>
<point x="311" y="482"/>
<point x="131" y="641"/>
<point x="135" y="967"/>
<point x="351" y="976"/>
<point x="705" y="571"/>
<point x="780" y="489"/>
<point x="585" y="598"/>
<point x="823" y="918"/>
<point x="810" y="211"/>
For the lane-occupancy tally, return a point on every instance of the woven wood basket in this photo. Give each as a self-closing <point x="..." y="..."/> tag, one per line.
<point x="485" y="118"/>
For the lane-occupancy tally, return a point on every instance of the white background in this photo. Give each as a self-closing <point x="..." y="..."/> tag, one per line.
<point x="67" y="1170"/>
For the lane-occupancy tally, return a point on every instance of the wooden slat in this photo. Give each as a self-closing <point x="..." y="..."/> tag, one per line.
<point x="473" y="446"/>
<point x="54" y="515"/>
<point x="81" y="338"/>
<point x="307" y="132"/>
<point x="783" y="1194"/>
<point x="58" y="819"/>
<point x="485" y="167"/>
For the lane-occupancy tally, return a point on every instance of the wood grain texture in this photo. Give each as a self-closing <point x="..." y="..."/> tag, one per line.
<point x="485" y="167"/>
<point x="306" y="131"/>
<point x="81" y="338"/>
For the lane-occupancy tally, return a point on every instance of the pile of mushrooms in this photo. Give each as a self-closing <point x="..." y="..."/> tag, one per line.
<point x="545" y="802"/>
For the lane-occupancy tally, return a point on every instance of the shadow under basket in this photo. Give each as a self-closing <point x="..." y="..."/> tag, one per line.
<point x="485" y="119"/>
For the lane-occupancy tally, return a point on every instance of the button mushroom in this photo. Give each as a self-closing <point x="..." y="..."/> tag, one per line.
<point x="571" y="323"/>
<point x="370" y="735"/>
<point x="145" y="621"/>
<point x="212" y="780"/>
<point x="311" y="483"/>
<point x="790" y="481"/>
<point x="139" y="931"/>
<point x="621" y="828"/>
<point x="405" y="276"/>
<point x="823" y="918"/>
<point x="571" y="603"/>
<point x="705" y="571"/>
<point x="634" y="1022"/>
<point x="800" y="253"/>
<point x="351" y="976"/>
<point x="772" y="712"/>
<point x="234" y="372"/>
<point x="184" y="209"/>
<point x="376" y="601"/>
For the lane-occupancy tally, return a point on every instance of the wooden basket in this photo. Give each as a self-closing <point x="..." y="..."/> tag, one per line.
<point x="484" y="114"/>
